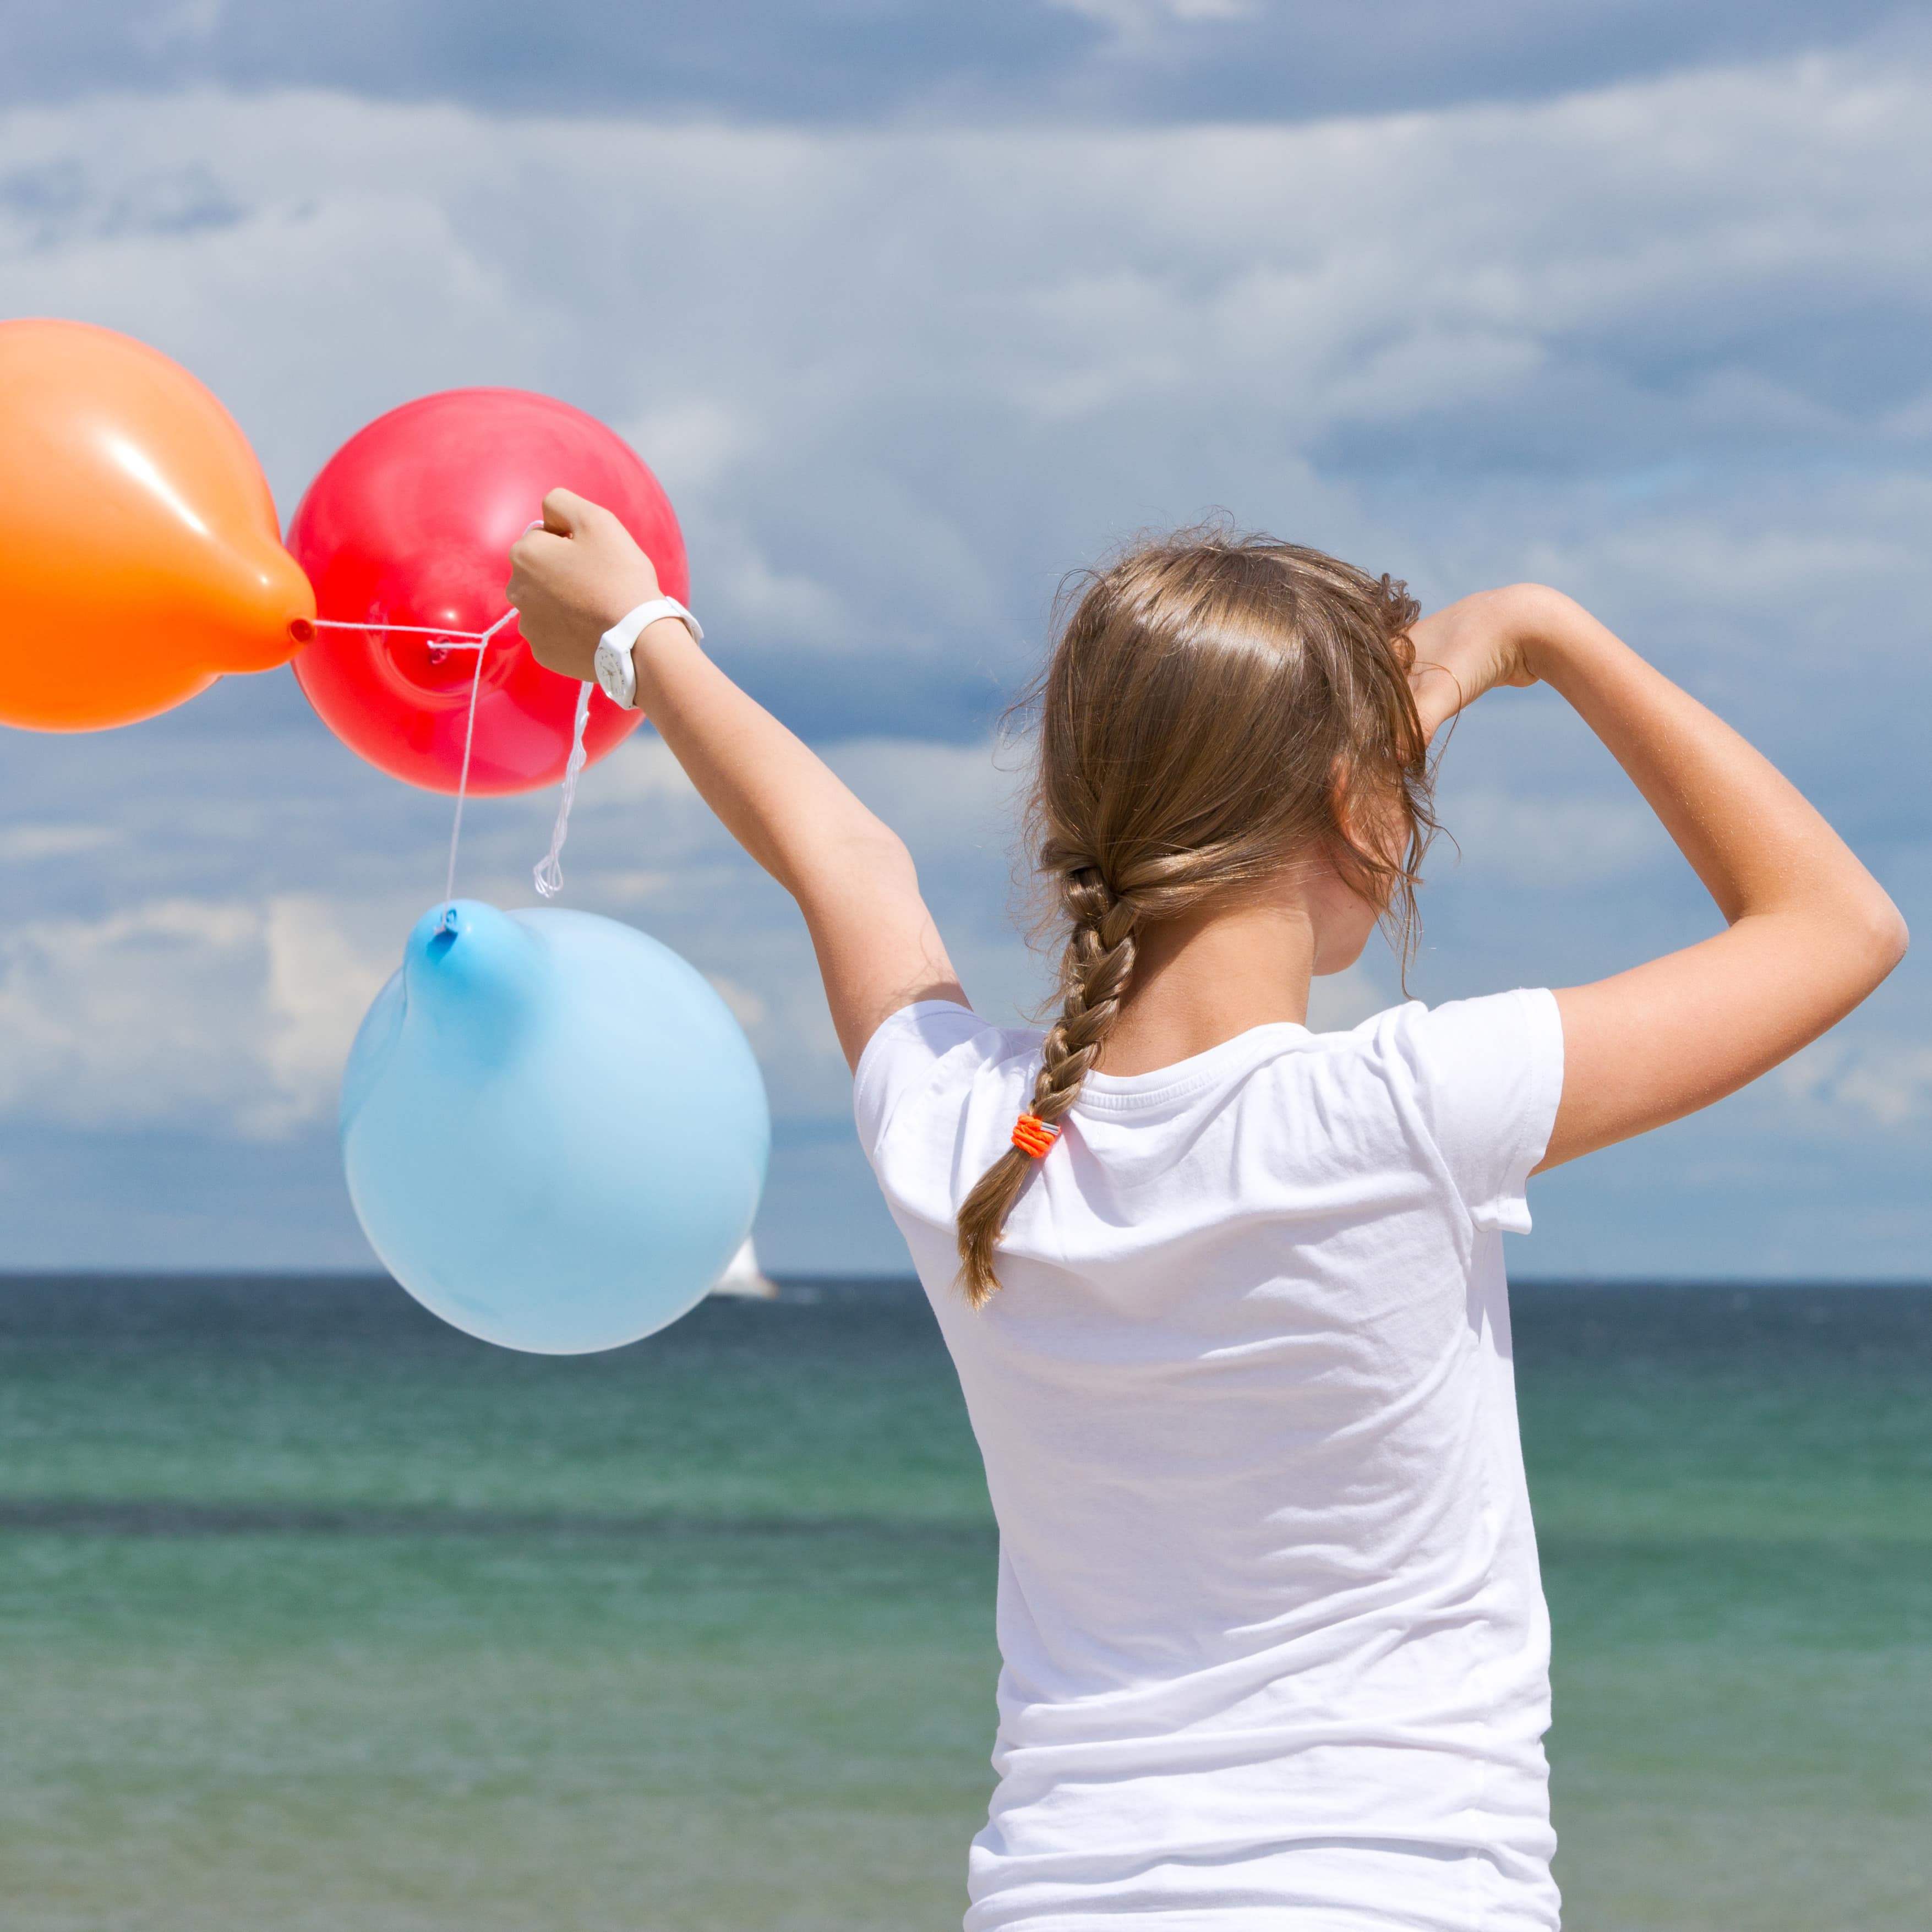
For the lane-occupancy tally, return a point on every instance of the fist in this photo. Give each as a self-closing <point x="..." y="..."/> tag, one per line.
<point x="572" y="579"/>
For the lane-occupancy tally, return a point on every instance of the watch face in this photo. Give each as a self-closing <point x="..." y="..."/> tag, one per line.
<point x="605" y="663"/>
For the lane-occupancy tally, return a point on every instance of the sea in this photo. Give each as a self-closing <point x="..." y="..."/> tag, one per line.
<point x="317" y="1616"/>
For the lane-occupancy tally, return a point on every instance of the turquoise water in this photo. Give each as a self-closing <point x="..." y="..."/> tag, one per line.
<point x="314" y="1614"/>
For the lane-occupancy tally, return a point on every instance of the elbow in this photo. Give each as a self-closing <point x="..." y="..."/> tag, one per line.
<point x="1882" y="936"/>
<point x="890" y="857"/>
<point x="1897" y="938"/>
<point x="869" y="857"/>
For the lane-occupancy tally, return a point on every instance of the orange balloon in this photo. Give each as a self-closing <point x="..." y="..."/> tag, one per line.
<point x="140" y="556"/>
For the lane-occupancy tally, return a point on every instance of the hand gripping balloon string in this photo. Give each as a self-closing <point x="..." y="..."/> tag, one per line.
<point x="549" y="875"/>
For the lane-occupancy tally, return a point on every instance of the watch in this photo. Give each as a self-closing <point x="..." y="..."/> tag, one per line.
<point x="617" y="674"/>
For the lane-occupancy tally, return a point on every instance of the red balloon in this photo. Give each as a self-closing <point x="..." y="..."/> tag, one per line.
<point x="410" y="523"/>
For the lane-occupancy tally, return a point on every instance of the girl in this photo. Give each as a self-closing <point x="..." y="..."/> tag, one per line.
<point x="1226" y="1296"/>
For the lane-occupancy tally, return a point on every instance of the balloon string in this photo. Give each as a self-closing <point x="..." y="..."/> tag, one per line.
<point x="459" y="641"/>
<point x="549" y="875"/>
<point x="483" y="638"/>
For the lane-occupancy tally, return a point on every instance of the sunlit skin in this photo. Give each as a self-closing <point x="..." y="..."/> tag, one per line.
<point x="1807" y="934"/>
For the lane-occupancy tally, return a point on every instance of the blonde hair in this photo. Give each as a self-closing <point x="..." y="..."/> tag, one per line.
<point x="1215" y="706"/>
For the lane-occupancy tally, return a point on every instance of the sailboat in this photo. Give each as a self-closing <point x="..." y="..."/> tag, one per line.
<point x="742" y="1276"/>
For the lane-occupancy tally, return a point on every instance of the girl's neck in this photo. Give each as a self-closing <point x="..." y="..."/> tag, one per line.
<point x="1204" y="979"/>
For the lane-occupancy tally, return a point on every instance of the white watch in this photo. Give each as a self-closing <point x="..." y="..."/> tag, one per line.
<point x="616" y="674"/>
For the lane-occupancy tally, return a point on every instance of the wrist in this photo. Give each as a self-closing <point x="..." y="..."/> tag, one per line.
<point x="662" y="634"/>
<point x="623" y="650"/>
<point x="664" y="631"/>
<point x="1542" y="625"/>
<point x="616" y="609"/>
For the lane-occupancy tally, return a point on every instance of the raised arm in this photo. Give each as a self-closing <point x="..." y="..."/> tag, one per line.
<point x="851" y="874"/>
<point x="1809" y="932"/>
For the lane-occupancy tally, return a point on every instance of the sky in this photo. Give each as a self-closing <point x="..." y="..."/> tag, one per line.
<point x="912" y="310"/>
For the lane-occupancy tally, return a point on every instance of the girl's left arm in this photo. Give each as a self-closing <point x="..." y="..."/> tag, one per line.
<point x="853" y="878"/>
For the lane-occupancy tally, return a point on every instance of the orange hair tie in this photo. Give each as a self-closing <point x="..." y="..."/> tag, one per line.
<point x="1031" y="1135"/>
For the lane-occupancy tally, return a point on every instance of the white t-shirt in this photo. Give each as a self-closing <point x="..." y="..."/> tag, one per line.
<point x="1273" y="1641"/>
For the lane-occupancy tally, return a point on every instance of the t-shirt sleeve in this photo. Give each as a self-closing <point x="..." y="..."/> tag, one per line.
<point x="899" y="1058"/>
<point x="1490" y="1074"/>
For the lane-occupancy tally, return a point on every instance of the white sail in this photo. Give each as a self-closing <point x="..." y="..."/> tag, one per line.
<point x="743" y="1276"/>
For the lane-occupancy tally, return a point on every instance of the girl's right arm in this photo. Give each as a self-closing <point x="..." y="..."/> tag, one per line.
<point x="1809" y="932"/>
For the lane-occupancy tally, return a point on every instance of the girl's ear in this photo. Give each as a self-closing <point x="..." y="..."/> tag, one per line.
<point x="1342" y="803"/>
<point x="1370" y="825"/>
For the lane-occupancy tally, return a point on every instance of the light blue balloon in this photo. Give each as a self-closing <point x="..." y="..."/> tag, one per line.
<point x="554" y="1132"/>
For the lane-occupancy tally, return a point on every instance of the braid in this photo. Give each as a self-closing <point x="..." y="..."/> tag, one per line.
<point x="1094" y="975"/>
<point x="1094" y="972"/>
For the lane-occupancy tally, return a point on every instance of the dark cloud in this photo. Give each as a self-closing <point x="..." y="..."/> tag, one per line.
<point x="808" y="60"/>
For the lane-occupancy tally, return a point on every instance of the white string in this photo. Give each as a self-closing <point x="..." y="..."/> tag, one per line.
<point x="549" y="875"/>
<point x="456" y="640"/>
<point x="469" y="738"/>
<point x="478" y="641"/>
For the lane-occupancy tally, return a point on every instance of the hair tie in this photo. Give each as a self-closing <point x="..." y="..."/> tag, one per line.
<point x="1031" y="1135"/>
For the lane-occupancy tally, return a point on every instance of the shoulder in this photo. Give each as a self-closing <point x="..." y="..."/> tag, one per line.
<point x="1466" y="1091"/>
<point x="1461" y="1058"/>
<point x="1485" y="1076"/>
<point x="924" y="1046"/>
<point x="1440" y="1036"/>
<point x="1465" y="1041"/>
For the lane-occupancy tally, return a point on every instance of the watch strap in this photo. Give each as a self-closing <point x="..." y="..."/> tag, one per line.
<point x="625" y="632"/>
<point x="615" y="668"/>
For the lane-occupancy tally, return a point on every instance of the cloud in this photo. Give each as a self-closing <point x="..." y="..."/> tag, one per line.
<point x="899" y="60"/>
<point x="320" y="983"/>
<point x="1549" y="843"/>
<point x="208" y="1015"/>
<point x="1856" y="1084"/>
<point x="898" y="379"/>
<point x="25" y="843"/>
<point x="1138" y="19"/>
<point x="1659" y="343"/>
